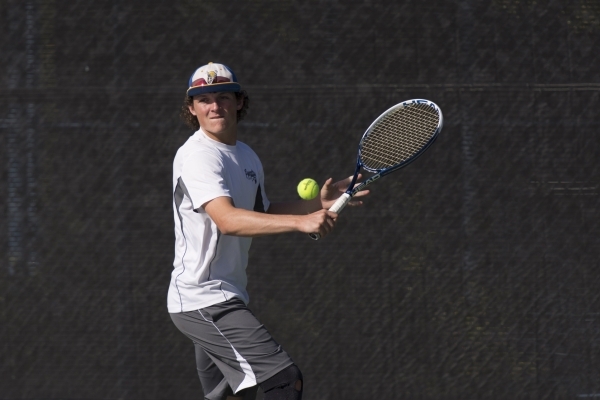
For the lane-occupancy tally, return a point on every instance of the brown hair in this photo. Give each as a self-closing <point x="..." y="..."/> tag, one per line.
<point x="191" y="120"/>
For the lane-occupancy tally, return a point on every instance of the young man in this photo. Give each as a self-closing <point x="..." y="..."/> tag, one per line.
<point x="219" y="204"/>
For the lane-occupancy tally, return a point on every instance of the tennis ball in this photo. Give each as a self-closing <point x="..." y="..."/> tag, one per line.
<point x="308" y="189"/>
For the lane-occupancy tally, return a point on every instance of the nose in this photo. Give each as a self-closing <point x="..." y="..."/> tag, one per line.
<point x="218" y="102"/>
<point x="214" y="105"/>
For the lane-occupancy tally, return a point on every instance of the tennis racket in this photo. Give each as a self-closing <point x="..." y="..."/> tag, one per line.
<point x="394" y="140"/>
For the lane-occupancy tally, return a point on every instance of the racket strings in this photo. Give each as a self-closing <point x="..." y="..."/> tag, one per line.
<point x="399" y="136"/>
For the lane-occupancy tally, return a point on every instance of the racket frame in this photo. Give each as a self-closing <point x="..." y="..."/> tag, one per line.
<point x="382" y="172"/>
<point x="341" y="202"/>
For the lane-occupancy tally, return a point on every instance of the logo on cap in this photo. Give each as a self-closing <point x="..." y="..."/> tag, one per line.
<point x="213" y="78"/>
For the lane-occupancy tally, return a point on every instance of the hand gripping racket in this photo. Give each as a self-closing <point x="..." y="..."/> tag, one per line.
<point x="394" y="140"/>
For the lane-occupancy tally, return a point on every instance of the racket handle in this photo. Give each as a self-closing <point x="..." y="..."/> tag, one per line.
<point x="337" y="207"/>
<point x="341" y="202"/>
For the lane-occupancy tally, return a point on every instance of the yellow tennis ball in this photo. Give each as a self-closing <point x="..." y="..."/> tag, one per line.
<point x="308" y="189"/>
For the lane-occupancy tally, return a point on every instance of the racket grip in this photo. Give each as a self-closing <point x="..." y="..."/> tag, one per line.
<point x="337" y="207"/>
<point x="341" y="202"/>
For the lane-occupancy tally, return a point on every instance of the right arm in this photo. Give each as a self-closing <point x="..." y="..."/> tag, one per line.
<point x="241" y="222"/>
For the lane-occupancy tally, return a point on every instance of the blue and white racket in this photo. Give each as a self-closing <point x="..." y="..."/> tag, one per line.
<point x="394" y="140"/>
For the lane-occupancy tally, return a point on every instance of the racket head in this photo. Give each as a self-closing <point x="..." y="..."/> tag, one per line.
<point x="400" y="135"/>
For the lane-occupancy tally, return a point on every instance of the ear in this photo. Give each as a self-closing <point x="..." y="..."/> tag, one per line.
<point x="191" y="108"/>
<point x="240" y="102"/>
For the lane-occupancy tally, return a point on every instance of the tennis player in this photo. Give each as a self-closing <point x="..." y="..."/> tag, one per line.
<point x="219" y="204"/>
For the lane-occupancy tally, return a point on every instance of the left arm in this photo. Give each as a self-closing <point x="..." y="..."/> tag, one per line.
<point x="328" y="195"/>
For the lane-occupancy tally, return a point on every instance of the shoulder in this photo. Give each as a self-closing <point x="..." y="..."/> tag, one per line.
<point x="197" y="151"/>
<point x="246" y="150"/>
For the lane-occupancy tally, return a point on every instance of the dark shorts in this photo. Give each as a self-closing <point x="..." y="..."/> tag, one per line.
<point x="234" y="351"/>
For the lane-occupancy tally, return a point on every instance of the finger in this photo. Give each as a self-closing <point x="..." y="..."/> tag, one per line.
<point x="362" y="193"/>
<point x="343" y="184"/>
<point x="323" y="231"/>
<point x="327" y="227"/>
<point x="328" y="186"/>
<point x="354" y="203"/>
<point x="328" y="223"/>
<point x="358" y="180"/>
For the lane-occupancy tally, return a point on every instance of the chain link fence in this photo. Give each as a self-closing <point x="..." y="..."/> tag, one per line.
<point x="473" y="273"/>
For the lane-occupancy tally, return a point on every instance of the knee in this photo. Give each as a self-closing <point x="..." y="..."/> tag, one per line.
<point x="285" y="385"/>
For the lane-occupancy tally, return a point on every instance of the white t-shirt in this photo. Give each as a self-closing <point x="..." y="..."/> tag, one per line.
<point x="210" y="267"/>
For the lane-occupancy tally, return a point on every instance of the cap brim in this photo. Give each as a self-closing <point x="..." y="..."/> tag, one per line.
<point x="217" y="87"/>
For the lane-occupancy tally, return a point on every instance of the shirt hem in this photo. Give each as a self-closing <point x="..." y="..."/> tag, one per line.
<point x="199" y="306"/>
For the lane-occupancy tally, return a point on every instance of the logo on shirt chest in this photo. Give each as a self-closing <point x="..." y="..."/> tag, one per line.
<point x="251" y="175"/>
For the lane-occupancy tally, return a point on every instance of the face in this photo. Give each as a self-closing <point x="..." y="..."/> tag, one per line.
<point x="217" y="115"/>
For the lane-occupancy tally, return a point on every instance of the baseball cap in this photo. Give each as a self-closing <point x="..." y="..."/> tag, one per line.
<point x="213" y="77"/>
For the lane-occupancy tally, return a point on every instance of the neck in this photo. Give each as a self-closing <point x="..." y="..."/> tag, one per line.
<point x="228" y="137"/>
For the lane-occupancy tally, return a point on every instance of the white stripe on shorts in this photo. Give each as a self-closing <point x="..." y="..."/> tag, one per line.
<point x="249" y="377"/>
